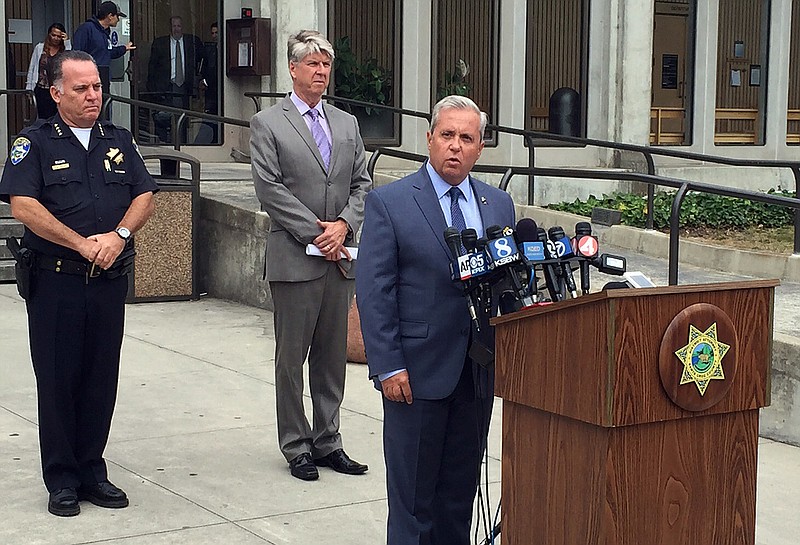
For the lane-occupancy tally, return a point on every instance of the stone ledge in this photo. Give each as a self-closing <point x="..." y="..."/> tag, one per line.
<point x="656" y="244"/>
<point x="231" y="262"/>
<point x="781" y="420"/>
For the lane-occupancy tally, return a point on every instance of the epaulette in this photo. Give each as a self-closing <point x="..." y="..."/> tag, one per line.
<point x="60" y="131"/>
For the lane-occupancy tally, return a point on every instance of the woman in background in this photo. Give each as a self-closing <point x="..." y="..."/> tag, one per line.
<point x="38" y="79"/>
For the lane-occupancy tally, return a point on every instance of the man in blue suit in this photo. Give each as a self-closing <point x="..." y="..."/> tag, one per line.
<point x="417" y="331"/>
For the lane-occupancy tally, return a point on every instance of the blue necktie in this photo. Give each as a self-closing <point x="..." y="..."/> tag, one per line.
<point x="457" y="217"/>
<point x="320" y="137"/>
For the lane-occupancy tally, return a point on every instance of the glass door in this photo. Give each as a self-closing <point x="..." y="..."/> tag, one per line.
<point x="177" y="65"/>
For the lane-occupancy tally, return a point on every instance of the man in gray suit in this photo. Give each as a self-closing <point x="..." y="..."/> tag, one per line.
<point x="310" y="175"/>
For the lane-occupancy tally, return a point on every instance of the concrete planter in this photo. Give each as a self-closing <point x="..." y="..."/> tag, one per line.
<point x="355" y="341"/>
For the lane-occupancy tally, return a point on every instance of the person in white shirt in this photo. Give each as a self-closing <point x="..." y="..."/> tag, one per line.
<point x="38" y="80"/>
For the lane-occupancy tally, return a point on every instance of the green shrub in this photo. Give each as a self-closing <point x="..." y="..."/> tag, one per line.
<point x="697" y="210"/>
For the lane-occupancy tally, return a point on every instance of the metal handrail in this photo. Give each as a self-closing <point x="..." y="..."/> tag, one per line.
<point x="682" y="187"/>
<point x="647" y="152"/>
<point x="255" y="95"/>
<point x="183" y="115"/>
<point x="650" y="178"/>
<point x="29" y="93"/>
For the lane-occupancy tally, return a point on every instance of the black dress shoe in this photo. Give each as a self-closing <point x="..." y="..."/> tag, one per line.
<point x="338" y="460"/>
<point x="103" y="494"/>
<point x="64" y="503"/>
<point x="302" y="467"/>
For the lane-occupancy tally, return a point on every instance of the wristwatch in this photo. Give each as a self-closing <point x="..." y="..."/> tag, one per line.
<point x="124" y="233"/>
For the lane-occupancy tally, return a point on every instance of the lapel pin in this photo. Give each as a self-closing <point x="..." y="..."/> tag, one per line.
<point x="483" y="200"/>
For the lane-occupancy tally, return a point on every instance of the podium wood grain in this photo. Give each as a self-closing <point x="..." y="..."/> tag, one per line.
<point x="595" y="452"/>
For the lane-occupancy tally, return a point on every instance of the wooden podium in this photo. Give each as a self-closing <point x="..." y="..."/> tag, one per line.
<point x="607" y="439"/>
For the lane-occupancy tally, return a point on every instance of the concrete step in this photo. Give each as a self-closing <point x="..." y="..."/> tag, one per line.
<point x="7" y="275"/>
<point x="10" y="228"/>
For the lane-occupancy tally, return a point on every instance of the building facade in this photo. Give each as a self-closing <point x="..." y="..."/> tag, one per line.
<point x="719" y="77"/>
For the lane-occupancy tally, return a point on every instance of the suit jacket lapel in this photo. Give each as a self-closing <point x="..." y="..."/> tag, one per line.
<point x="429" y="205"/>
<point x="299" y="124"/>
<point x="489" y="213"/>
<point x="338" y="129"/>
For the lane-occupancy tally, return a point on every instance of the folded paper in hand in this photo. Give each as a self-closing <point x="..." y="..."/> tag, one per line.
<point x="311" y="249"/>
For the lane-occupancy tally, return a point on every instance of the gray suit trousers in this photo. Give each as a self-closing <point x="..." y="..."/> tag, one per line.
<point x="311" y="320"/>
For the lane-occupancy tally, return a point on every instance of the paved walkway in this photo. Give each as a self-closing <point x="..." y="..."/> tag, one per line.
<point x="193" y="444"/>
<point x="193" y="441"/>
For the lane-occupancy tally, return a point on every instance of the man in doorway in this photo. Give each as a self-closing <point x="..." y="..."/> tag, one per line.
<point x="173" y="70"/>
<point x="209" y="85"/>
<point x="94" y="37"/>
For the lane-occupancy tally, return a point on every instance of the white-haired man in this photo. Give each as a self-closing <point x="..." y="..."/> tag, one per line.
<point x="436" y="400"/>
<point x="310" y="175"/>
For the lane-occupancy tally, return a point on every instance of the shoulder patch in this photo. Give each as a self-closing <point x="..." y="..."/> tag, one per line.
<point x="19" y="149"/>
<point x="136" y="147"/>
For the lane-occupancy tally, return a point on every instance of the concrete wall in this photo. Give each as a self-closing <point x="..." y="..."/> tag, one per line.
<point x="231" y="255"/>
<point x="781" y="420"/>
<point x="231" y="261"/>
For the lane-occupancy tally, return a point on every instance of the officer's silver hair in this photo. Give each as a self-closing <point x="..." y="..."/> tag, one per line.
<point x="305" y="43"/>
<point x="457" y="102"/>
<point x="56" y="72"/>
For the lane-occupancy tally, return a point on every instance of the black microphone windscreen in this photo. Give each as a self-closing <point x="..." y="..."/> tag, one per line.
<point x="526" y="231"/>
<point x="508" y="303"/>
<point x="583" y="228"/>
<point x="453" y="240"/>
<point x="541" y="235"/>
<point x="493" y="232"/>
<point x="481" y="243"/>
<point x="469" y="238"/>
<point x="556" y="233"/>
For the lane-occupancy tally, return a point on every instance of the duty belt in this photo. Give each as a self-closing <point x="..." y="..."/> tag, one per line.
<point x="67" y="266"/>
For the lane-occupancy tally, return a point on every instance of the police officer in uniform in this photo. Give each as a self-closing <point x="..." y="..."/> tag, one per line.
<point x="81" y="189"/>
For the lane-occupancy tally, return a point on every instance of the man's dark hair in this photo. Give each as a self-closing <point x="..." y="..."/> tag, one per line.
<point x="56" y="71"/>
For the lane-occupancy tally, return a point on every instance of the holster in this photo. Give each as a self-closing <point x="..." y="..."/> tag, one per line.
<point x="24" y="267"/>
<point x="123" y="264"/>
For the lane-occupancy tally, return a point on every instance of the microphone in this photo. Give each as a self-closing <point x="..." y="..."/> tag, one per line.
<point x="453" y="239"/>
<point x="486" y="289"/>
<point x="551" y="278"/>
<point x="469" y="238"/>
<point x="564" y="251"/>
<point x="504" y="255"/>
<point x="584" y="245"/>
<point x="532" y="250"/>
<point x="615" y="265"/>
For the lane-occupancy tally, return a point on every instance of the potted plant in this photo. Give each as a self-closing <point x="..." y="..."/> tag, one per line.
<point x="366" y="81"/>
<point x="455" y="82"/>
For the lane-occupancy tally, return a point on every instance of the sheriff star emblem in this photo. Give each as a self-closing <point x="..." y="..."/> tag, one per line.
<point x="115" y="155"/>
<point x="702" y="357"/>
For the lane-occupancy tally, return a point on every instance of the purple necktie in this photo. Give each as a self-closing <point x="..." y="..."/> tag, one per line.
<point x="320" y="137"/>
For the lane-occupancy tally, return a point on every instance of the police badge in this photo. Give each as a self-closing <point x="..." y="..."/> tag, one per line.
<point x="19" y="149"/>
